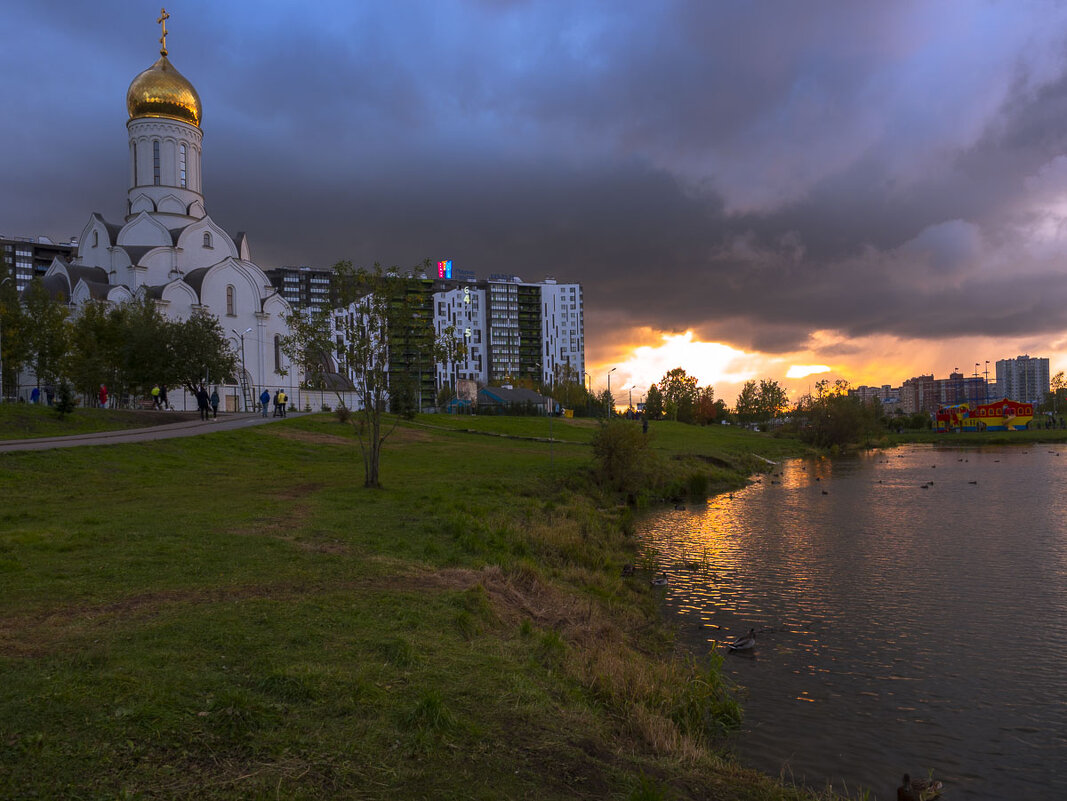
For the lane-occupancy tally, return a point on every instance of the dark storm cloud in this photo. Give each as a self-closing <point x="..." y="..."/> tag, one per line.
<point x="754" y="172"/>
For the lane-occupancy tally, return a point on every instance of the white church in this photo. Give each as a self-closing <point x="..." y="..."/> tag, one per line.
<point x="167" y="247"/>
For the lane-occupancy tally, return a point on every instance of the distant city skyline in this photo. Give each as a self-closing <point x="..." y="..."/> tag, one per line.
<point x="854" y="190"/>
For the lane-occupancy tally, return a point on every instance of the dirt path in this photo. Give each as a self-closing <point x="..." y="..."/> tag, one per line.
<point x="187" y="428"/>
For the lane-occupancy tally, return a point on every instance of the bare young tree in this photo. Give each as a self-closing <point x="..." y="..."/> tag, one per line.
<point x="376" y="320"/>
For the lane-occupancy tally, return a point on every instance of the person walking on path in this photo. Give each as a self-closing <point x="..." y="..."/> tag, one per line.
<point x="155" y="397"/>
<point x="277" y="395"/>
<point x="163" y="402"/>
<point x="202" y="402"/>
<point x="215" y="403"/>
<point x="35" y="396"/>
<point x="103" y="396"/>
<point x="282" y="400"/>
<point x="264" y="401"/>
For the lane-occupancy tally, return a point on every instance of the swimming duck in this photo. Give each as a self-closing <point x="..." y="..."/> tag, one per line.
<point x="659" y="581"/>
<point x="919" y="789"/>
<point x="743" y="643"/>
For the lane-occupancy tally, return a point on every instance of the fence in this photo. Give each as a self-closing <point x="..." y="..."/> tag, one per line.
<point x="178" y="399"/>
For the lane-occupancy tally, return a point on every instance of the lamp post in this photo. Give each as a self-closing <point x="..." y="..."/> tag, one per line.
<point x="244" y="372"/>
<point x="612" y="407"/>
<point x="551" y="414"/>
<point x="2" y="349"/>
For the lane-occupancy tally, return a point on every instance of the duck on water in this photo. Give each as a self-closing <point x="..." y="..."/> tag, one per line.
<point x="918" y="789"/>
<point x="744" y="642"/>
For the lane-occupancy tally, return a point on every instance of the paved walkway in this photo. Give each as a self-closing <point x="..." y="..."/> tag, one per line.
<point x="187" y="428"/>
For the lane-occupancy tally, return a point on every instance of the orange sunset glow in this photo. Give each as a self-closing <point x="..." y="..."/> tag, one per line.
<point x="870" y="361"/>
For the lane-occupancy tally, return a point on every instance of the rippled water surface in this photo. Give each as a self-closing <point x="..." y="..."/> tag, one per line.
<point x="901" y="627"/>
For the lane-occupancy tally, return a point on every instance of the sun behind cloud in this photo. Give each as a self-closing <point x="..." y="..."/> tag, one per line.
<point x="710" y="362"/>
<point x="804" y="370"/>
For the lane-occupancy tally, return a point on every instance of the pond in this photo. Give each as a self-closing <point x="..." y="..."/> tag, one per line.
<point x="910" y="616"/>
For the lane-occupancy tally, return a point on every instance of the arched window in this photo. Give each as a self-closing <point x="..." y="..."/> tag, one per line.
<point x="181" y="166"/>
<point x="155" y="162"/>
<point x="207" y="239"/>
<point x="231" y="300"/>
<point x="96" y="238"/>
<point x="277" y="353"/>
<point x="135" y="164"/>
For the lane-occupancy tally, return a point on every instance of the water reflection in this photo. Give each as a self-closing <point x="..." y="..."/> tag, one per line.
<point x="909" y="609"/>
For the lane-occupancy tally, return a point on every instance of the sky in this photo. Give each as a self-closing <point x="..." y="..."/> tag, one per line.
<point x="795" y="191"/>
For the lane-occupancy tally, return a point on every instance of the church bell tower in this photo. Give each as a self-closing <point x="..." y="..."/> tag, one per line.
<point x="165" y="137"/>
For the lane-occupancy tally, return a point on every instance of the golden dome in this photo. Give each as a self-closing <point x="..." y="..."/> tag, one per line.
<point x="162" y="91"/>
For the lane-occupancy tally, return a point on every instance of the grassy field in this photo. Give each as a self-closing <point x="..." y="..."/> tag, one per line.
<point x="26" y="421"/>
<point x="234" y="616"/>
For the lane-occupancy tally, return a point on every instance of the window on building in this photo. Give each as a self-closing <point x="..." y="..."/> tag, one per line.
<point x="135" y="164"/>
<point x="155" y="162"/>
<point x="207" y="239"/>
<point x="277" y="353"/>
<point x="96" y="238"/>
<point x="181" y="166"/>
<point x="231" y="300"/>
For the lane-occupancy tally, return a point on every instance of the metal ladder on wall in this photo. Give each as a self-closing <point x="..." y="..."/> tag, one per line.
<point x="246" y="389"/>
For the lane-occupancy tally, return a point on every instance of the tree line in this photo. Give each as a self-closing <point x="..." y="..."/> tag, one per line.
<point x="678" y="396"/>
<point x="825" y="417"/>
<point x="128" y="347"/>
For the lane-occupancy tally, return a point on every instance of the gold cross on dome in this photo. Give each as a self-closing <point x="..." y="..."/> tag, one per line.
<point x="163" y="17"/>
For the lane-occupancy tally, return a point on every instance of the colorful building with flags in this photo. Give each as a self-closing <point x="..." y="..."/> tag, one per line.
<point x="1001" y="415"/>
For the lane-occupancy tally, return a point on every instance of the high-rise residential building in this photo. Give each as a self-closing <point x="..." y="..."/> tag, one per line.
<point x="1024" y="379"/>
<point x="302" y="287"/>
<point x="462" y="307"/>
<point x="511" y="330"/>
<point x="958" y="388"/>
<point x="563" y="324"/>
<point x="536" y="330"/>
<point x="503" y="299"/>
<point x="920" y="394"/>
<point x="27" y="257"/>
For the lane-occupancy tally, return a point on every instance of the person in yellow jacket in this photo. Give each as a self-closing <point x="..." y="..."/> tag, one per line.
<point x="282" y="400"/>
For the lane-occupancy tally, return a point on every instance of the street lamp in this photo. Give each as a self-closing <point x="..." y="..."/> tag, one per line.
<point x="551" y="414"/>
<point x="2" y="349"/>
<point x="611" y="409"/>
<point x="244" y="372"/>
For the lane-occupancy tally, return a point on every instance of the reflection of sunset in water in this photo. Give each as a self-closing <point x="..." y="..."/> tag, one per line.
<point x="882" y="588"/>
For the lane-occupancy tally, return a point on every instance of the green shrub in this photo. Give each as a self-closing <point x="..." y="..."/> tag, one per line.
<point x="64" y="399"/>
<point x="623" y="458"/>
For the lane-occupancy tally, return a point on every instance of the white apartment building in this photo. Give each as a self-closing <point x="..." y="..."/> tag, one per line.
<point x="512" y="329"/>
<point x="563" y="326"/>
<point x="1024" y="379"/>
<point x="463" y="309"/>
